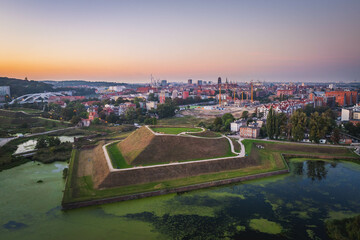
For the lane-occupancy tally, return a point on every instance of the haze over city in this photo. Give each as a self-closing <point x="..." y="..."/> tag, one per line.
<point x="126" y="41"/>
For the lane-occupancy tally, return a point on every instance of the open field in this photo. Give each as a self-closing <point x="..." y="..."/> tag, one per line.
<point x="174" y="130"/>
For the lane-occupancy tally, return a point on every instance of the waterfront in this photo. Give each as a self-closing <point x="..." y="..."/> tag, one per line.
<point x="291" y="206"/>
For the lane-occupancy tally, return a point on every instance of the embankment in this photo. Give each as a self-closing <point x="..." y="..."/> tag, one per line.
<point x="67" y="206"/>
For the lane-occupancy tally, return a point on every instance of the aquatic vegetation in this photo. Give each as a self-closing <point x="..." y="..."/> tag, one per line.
<point x="348" y="228"/>
<point x="341" y="214"/>
<point x="265" y="226"/>
<point x="292" y="207"/>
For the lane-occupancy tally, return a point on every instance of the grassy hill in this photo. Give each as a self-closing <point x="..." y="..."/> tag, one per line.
<point x="144" y="148"/>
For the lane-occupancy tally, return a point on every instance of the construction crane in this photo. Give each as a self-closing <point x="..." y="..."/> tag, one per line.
<point x="251" y="90"/>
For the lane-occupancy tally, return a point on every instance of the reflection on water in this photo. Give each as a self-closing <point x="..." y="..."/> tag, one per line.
<point x="315" y="170"/>
<point x="291" y="206"/>
<point x="30" y="144"/>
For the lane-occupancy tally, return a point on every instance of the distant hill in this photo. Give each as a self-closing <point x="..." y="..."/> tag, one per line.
<point x="76" y="83"/>
<point x="19" y="87"/>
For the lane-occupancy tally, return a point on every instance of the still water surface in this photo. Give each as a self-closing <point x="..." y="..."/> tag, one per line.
<point x="30" y="144"/>
<point x="292" y="206"/>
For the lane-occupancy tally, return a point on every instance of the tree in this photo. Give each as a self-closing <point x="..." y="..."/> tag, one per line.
<point x="53" y="141"/>
<point x="130" y="115"/>
<point x="111" y="118"/>
<point x="150" y="121"/>
<point x="218" y="121"/>
<point x="280" y="124"/>
<point x="167" y="109"/>
<point x="316" y="128"/>
<point x="335" y="137"/>
<point x="270" y="123"/>
<point x="151" y="97"/>
<point x="41" y="143"/>
<point x="96" y="121"/>
<point x="75" y="120"/>
<point x="227" y="124"/>
<point x="298" y="122"/>
<point x="245" y="114"/>
<point x="227" y="116"/>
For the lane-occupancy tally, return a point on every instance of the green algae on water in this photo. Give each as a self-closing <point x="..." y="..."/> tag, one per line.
<point x="265" y="226"/>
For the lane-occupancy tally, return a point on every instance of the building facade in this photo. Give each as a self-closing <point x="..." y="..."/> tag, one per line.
<point x="249" y="132"/>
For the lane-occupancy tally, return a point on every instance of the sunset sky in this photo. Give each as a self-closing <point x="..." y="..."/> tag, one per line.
<point x="126" y="41"/>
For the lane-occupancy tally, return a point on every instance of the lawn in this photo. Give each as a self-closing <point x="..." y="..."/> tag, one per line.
<point x="236" y="144"/>
<point x="190" y="121"/>
<point x="175" y="130"/>
<point x="116" y="157"/>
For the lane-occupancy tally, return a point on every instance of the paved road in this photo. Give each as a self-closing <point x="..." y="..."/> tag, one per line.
<point x="3" y="141"/>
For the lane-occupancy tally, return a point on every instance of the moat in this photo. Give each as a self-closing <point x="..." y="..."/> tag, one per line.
<point x="290" y="206"/>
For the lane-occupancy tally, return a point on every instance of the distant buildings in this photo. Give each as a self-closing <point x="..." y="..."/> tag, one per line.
<point x="185" y="94"/>
<point x="116" y="88"/>
<point x="344" y="98"/>
<point x="151" y="105"/>
<point x="189" y="81"/>
<point x="4" y="91"/>
<point x="162" y="97"/>
<point x="284" y="92"/>
<point x="200" y="82"/>
<point x="54" y="99"/>
<point x="163" y="83"/>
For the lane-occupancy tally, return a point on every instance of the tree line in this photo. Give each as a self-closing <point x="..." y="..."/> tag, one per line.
<point x="317" y="125"/>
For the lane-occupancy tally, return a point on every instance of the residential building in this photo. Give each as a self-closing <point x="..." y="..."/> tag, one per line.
<point x="235" y="126"/>
<point x="345" y="114"/>
<point x="344" y="98"/>
<point x="249" y="132"/>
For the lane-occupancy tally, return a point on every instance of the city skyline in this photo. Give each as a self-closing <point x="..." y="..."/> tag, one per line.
<point x="126" y="42"/>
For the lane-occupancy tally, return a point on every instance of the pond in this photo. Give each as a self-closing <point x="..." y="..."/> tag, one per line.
<point x="291" y="206"/>
<point x="30" y="144"/>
